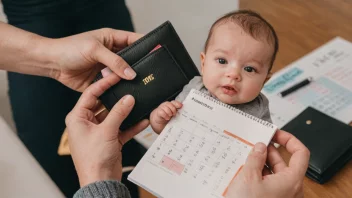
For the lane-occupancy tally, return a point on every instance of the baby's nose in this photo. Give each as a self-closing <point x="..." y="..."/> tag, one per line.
<point x="234" y="74"/>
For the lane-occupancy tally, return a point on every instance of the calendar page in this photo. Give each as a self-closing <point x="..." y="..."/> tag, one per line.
<point x="201" y="150"/>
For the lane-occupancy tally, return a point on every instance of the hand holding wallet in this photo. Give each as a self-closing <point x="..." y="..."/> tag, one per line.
<point x="161" y="73"/>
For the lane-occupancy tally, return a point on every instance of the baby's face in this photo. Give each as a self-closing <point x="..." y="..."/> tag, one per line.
<point x="235" y="65"/>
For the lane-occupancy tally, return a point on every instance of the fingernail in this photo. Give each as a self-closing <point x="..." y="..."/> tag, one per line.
<point x="106" y="71"/>
<point x="177" y="104"/>
<point x="127" y="100"/>
<point x="130" y="73"/>
<point x="260" y="147"/>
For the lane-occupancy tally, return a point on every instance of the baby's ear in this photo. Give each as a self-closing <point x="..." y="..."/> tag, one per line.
<point x="268" y="77"/>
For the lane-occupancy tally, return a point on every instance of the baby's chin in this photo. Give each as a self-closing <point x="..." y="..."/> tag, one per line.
<point x="225" y="98"/>
<point x="228" y="99"/>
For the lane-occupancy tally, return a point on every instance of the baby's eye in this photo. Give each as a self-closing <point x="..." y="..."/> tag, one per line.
<point x="249" y="69"/>
<point x="222" y="61"/>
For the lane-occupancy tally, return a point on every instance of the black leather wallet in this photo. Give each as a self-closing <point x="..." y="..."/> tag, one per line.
<point x="329" y="142"/>
<point x="161" y="73"/>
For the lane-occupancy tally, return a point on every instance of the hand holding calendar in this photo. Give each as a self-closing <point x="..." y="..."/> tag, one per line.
<point x="201" y="150"/>
<point x="286" y="181"/>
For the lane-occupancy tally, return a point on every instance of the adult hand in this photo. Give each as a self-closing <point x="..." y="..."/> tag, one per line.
<point x="96" y="142"/>
<point x="286" y="181"/>
<point x="74" y="60"/>
<point x="77" y="59"/>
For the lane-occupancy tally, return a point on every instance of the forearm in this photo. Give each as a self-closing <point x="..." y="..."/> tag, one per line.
<point x="25" y="52"/>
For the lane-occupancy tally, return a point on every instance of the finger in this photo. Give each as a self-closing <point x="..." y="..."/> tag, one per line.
<point x="119" y="112"/>
<point x="120" y="39"/>
<point x="123" y="38"/>
<point x="167" y="110"/>
<point x="275" y="160"/>
<point x="300" y="153"/>
<point x="97" y="107"/>
<point x="90" y="96"/>
<point x="105" y="72"/>
<point x="115" y="49"/>
<point x="128" y="134"/>
<point x="255" y="162"/>
<point x="172" y="107"/>
<point x="114" y="62"/>
<point x="162" y="114"/>
<point x="177" y="104"/>
<point x="88" y="81"/>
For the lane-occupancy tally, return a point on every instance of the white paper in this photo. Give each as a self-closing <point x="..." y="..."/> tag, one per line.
<point x="330" y="66"/>
<point x="201" y="149"/>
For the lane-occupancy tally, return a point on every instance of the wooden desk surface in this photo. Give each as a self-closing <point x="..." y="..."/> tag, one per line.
<point x="302" y="26"/>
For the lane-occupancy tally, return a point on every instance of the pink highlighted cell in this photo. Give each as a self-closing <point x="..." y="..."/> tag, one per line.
<point x="172" y="165"/>
<point x="177" y="167"/>
<point x="166" y="162"/>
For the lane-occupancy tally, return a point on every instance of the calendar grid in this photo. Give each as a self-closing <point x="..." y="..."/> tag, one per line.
<point x="210" y="154"/>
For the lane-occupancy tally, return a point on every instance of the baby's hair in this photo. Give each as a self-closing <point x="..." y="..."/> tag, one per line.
<point x="253" y="24"/>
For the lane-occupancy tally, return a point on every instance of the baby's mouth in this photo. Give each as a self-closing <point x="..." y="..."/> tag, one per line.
<point x="229" y="90"/>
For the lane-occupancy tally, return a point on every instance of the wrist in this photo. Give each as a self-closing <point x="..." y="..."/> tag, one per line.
<point x="95" y="176"/>
<point x="24" y="52"/>
<point x="37" y="56"/>
<point x="44" y="53"/>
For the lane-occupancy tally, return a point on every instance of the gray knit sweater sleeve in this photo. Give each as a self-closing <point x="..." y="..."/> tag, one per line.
<point x="103" y="189"/>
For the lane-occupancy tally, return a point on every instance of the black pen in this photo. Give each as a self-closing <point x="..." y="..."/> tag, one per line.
<point x="295" y="87"/>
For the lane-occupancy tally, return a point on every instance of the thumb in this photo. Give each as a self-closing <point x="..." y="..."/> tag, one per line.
<point x="119" y="112"/>
<point x="255" y="161"/>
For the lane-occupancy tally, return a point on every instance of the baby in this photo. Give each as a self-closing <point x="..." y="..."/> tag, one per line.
<point x="238" y="56"/>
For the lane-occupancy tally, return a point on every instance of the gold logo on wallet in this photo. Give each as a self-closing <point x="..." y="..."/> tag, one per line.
<point x="148" y="79"/>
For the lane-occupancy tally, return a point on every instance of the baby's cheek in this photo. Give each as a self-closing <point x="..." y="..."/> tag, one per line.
<point x="209" y="81"/>
<point x="251" y="92"/>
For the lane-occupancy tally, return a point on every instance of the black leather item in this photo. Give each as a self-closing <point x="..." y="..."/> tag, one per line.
<point x="329" y="142"/>
<point x="161" y="74"/>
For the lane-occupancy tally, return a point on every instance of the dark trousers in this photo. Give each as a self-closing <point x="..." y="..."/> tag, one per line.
<point x="40" y="105"/>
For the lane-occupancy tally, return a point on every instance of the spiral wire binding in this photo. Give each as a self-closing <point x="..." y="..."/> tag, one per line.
<point x="263" y="122"/>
